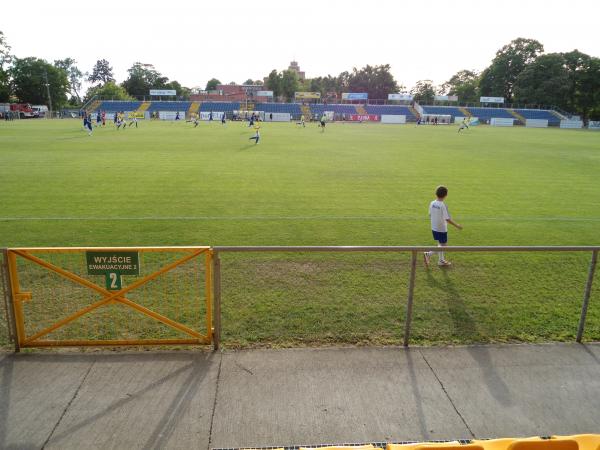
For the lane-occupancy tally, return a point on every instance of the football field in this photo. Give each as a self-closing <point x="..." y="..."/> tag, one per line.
<point x="168" y="183"/>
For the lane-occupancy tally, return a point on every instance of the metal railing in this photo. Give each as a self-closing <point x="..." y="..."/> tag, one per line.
<point x="56" y="297"/>
<point x="13" y="297"/>
<point x="413" y="251"/>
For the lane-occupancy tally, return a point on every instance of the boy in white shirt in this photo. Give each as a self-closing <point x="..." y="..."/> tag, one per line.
<point x="440" y="218"/>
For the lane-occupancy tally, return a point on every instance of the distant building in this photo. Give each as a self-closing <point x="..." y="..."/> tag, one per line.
<point x="231" y="93"/>
<point x="294" y="67"/>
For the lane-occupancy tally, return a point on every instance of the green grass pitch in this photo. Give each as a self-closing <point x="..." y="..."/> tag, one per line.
<point x="168" y="183"/>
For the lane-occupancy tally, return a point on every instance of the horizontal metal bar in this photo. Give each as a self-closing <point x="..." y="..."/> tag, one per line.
<point x="114" y="342"/>
<point x="491" y="249"/>
<point x="80" y="249"/>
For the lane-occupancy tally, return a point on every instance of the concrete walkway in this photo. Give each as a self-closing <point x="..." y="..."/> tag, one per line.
<point x="296" y="396"/>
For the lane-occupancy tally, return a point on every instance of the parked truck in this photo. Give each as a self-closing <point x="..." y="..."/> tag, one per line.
<point x="24" y="110"/>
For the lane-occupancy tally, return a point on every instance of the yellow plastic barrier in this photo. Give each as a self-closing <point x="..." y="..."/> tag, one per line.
<point x="544" y="444"/>
<point x="585" y="441"/>
<point x="495" y="444"/>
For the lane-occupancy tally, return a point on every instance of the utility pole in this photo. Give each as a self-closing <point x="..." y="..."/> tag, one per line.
<point x="48" y="91"/>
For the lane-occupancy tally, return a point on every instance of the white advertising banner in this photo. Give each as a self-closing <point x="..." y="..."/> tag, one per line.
<point x="536" y="123"/>
<point x="404" y="97"/>
<point x="445" y="98"/>
<point x="159" y="92"/>
<point x="216" y="115"/>
<point x="571" y="124"/>
<point x="277" y="117"/>
<point x="491" y="99"/>
<point x="501" y="122"/>
<point x="264" y="93"/>
<point x="459" y="119"/>
<point x="594" y="125"/>
<point x="171" y="115"/>
<point x="392" y="118"/>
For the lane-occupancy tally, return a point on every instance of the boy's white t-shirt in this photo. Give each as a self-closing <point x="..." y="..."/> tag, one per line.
<point x="438" y="211"/>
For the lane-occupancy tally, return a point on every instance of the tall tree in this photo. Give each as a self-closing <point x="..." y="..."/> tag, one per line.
<point x="74" y="75"/>
<point x="289" y="84"/>
<point x="29" y="77"/>
<point x="424" y="91"/>
<point x="5" y="60"/>
<point x="109" y="90"/>
<point x="544" y="82"/>
<point x="142" y="78"/>
<point x="183" y="93"/>
<point x="212" y="84"/>
<point x="274" y="83"/>
<point x="464" y="84"/>
<point x="377" y="81"/>
<point x="101" y="73"/>
<point x="499" y="78"/>
<point x="587" y="87"/>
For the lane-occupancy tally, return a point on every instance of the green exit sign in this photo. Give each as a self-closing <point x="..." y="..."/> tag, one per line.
<point x="113" y="265"/>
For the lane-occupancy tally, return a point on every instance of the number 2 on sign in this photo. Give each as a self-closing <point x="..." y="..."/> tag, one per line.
<point x="113" y="281"/>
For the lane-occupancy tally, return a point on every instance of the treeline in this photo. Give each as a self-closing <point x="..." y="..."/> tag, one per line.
<point x="520" y="72"/>
<point x="30" y="80"/>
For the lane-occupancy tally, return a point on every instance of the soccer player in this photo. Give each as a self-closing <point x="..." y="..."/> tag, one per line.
<point x="89" y="124"/>
<point x="177" y="116"/>
<point x="103" y="118"/>
<point x="256" y="136"/>
<point x="196" y="120"/>
<point x="84" y="115"/>
<point x="440" y="218"/>
<point x="98" y="118"/>
<point x="301" y="121"/>
<point x="322" y="125"/>
<point x="133" y="119"/>
<point x="223" y="119"/>
<point x="121" y="120"/>
<point x="464" y="124"/>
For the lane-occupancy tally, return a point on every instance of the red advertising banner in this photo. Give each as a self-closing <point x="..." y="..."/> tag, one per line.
<point x="364" y="117"/>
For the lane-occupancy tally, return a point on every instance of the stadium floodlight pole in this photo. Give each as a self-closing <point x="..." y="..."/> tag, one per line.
<point x="48" y="91"/>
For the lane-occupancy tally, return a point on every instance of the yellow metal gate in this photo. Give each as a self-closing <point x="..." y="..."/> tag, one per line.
<point x="111" y="296"/>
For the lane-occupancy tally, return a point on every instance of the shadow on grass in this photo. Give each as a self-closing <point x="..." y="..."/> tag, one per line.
<point x="466" y="327"/>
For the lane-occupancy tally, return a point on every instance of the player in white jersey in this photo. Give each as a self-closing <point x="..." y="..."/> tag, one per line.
<point x="440" y="218"/>
<point x="464" y="124"/>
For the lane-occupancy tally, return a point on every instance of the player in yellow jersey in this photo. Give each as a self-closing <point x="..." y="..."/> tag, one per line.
<point x="256" y="136"/>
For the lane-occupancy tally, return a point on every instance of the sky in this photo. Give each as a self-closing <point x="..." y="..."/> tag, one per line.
<point x="231" y="40"/>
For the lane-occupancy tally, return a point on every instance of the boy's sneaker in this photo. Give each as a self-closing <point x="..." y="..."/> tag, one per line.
<point x="444" y="263"/>
<point x="426" y="258"/>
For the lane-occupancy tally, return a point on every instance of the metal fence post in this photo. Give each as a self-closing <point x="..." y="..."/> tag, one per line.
<point x="411" y="290"/>
<point x="586" y="295"/>
<point x="217" y="300"/>
<point x="9" y="301"/>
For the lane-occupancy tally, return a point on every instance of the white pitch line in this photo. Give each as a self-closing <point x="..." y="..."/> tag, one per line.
<point x="292" y="218"/>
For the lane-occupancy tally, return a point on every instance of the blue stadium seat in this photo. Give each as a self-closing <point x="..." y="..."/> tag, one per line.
<point x="489" y="113"/>
<point x="399" y="110"/>
<point x="220" y="106"/>
<point x="112" y="107"/>
<point x="539" y="114"/>
<point x="169" y="106"/>
<point x="292" y="108"/>
<point x="451" y="110"/>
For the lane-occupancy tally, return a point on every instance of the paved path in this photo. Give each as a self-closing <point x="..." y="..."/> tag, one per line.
<point x="296" y="396"/>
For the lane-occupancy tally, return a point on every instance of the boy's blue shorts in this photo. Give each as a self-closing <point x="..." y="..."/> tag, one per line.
<point x="441" y="237"/>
